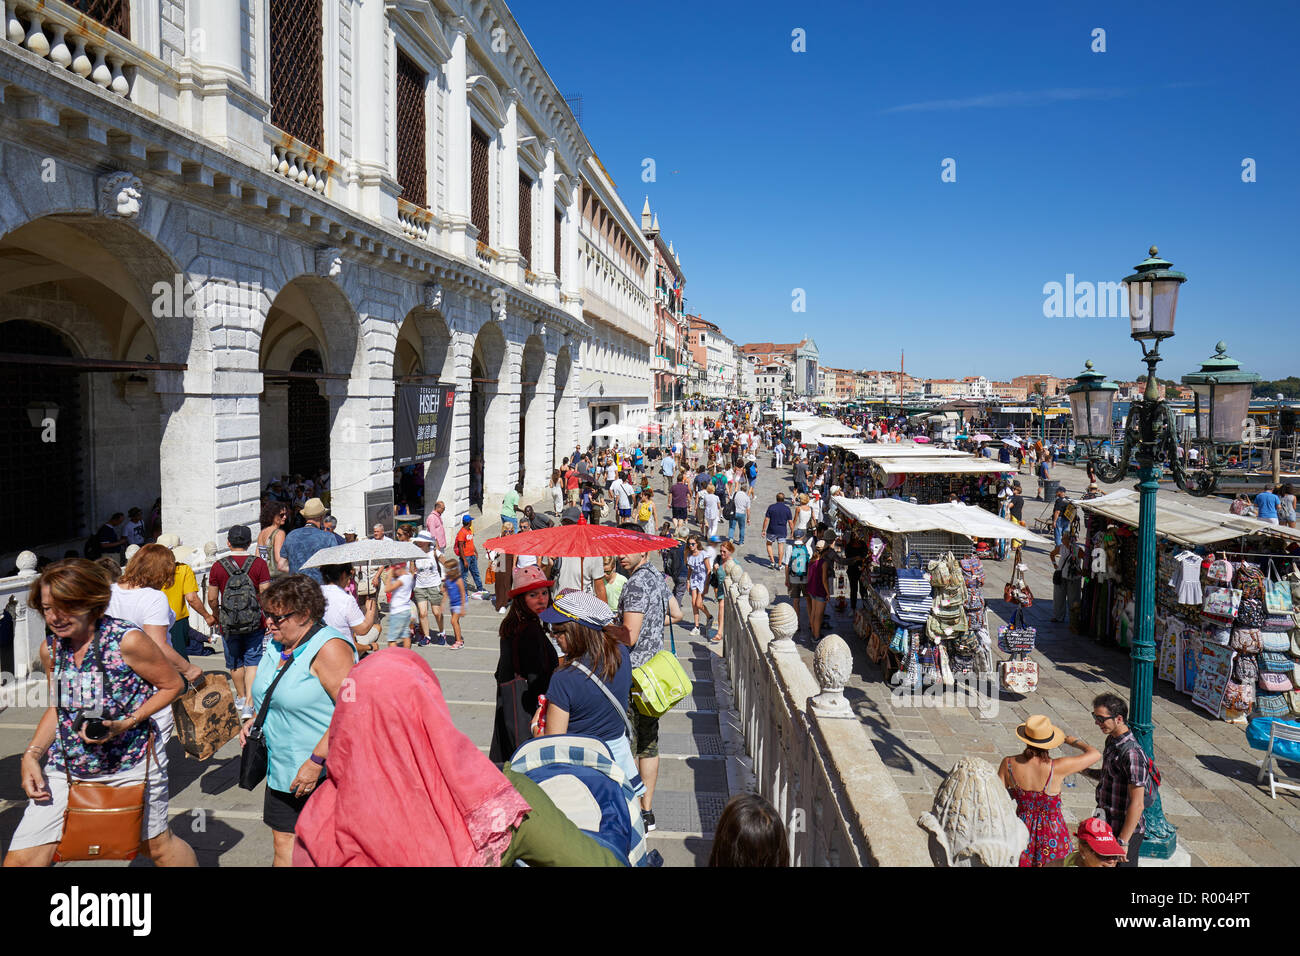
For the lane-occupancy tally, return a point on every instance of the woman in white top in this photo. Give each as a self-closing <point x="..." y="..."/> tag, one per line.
<point x="341" y="609"/>
<point x="138" y="598"/>
<point x="398" y="583"/>
<point x="557" y="491"/>
<point x="802" y="513"/>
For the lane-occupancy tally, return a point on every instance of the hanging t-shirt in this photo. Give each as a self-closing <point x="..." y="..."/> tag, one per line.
<point x="1187" y="578"/>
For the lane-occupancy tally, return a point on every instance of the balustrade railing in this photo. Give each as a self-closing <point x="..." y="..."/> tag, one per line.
<point x="58" y="32"/>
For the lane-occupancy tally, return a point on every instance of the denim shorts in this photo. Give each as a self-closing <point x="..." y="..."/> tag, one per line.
<point x="397" y="627"/>
<point x="243" y="650"/>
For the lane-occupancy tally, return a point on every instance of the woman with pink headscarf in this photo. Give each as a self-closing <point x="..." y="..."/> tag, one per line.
<point x="406" y="788"/>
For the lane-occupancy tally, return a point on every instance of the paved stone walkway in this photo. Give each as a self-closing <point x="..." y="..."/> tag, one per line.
<point x="1208" y="789"/>
<point x="224" y="823"/>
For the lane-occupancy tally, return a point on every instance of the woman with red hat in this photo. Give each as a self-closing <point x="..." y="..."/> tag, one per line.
<point x="526" y="653"/>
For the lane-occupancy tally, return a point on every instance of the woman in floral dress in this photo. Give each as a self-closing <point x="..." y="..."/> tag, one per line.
<point x="1034" y="780"/>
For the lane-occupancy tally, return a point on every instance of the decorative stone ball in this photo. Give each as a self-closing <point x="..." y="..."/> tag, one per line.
<point x="745" y="583"/>
<point x="759" y="598"/>
<point x="26" y="562"/>
<point x="833" y="664"/>
<point x="783" y="621"/>
<point x="733" y="571"/>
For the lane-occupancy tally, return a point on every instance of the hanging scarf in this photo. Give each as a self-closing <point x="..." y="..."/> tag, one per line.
<point x="405" y="787"/>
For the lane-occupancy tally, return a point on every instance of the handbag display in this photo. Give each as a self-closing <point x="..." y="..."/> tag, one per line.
<point x="1246" y="640"/>
<point x="1279" y="641"/>
<point x="1221" y="604"/>
<point x="1239" y="696"/>
<point x="101" y="821"/>
<point x="254" y="758"/>
<point x="1276" y="662"/>
<point x="1277" y="596"/>
<point x="973" y="571"/>
<point x="1275" y="683"/>
<point x="912" y="582"/>
<point x="1016" y="640"/>
<point x="1220" y="571"/>
<point x="1018" y="677"/>
<point x="909" y="611"/>
<point x="1251" y="612"/>
<point x="205" y="715"/>
<point x="1272" y="704"/>
<point x="899" y="644"/>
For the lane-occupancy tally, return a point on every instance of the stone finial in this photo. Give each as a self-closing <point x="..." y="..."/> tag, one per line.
<point x="783" y="621"/>
<point x="26" y="564"/>
<point x="759" y="598"/>
<point x="432" y="296"/>
<point x="733" y="571"/>
<point x="745" y="583"/>
<point x="209" y="550"/>
<point x="973" y="819"/>
<point x="121" y="195"/>
<point x="329" y="262"/>
<point x="832" y="667"/>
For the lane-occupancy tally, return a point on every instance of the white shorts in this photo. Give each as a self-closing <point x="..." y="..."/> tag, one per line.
<point x="42" y="822"/>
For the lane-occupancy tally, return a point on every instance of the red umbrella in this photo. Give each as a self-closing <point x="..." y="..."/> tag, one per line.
<point x="579" y="541"/>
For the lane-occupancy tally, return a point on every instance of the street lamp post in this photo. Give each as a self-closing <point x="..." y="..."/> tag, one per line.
<point x="1150" y="438"/>
<point x="1040" y="389"/>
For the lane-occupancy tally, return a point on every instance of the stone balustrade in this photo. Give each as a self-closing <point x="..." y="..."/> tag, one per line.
<point x="416" y="221"/>
<point x="812" y="757"/>
<point x="57" y="32"/>
<point x="300" y="163"/>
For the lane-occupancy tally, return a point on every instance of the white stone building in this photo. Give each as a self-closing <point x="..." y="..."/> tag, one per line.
<point x="217" y="263"/>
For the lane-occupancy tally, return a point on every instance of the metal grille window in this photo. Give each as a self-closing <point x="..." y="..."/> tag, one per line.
<point x="526" y="220"/>
<point x="479" y="184"/>
<point x="114" y="14"/>
<point x="309" y="418"/>
<point x="296" y="70"/>
<point x="411" y="130"/>
<point x="32" y="470"/>
<point x="559" y="233"/>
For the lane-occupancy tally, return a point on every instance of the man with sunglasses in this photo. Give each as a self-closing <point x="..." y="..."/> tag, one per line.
<point x="1125" y="774"/>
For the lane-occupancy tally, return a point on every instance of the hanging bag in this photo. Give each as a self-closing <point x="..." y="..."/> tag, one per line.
<point x="1277" y="595"/>
<point x="516" y="720"/>
<point x="1221" y="604"/>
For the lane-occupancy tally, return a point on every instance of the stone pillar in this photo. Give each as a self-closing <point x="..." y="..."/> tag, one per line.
<point x="448" y="480"/>
<point x="376" y="176"/>
<point x="510" y="240"/>
<point x="501" y="431"/>
<point x="571" y="281"/>
<point x="545" y="257"/>
<point x="458" y="241"/>
<point x="361" y="445"/>
<point x="210" y="454"/>
<point x="215" y="93"/>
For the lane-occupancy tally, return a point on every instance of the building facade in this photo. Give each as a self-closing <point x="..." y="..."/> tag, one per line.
<point x="670" y="356"/>
<point x="802" y="357"/>
<point x="219" y="265"/>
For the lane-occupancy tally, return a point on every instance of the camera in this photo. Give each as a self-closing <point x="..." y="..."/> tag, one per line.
<point x="91" y="720"/>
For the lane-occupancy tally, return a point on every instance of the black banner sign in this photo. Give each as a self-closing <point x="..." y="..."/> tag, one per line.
<point x="422" y="423"/>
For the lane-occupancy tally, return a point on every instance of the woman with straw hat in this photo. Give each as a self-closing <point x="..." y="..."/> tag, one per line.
<point x="1034" y="781"/>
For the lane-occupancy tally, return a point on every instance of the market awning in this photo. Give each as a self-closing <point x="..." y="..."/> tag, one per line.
<point x="1185" y="523"/>
<point x="904" y="451"/>
<point x="889" y="514"/>
<point x="932" y="465"/>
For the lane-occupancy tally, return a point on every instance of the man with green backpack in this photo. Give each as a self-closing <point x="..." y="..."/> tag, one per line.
<point x="644" y="607"/>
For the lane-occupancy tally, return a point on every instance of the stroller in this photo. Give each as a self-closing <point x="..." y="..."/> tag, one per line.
<point x="589" y="788"/>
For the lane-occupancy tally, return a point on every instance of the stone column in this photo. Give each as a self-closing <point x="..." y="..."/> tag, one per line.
<point x="510" y="241"/>
<point x="571" y="281"/>
<point x="545" y="257"/>
<point x="458" y="241"/>
<point x="361" y="445"/>
<point x="376" y="176"/>
<point x="217" y="96"/>
<point x="448" y="480"/>
<point x="210" y="453"/>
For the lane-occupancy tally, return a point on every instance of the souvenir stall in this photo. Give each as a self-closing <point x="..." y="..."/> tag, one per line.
<point x="1227" y="601"/>
<point x="930" y="480"/>
<point x="923" y="608"/>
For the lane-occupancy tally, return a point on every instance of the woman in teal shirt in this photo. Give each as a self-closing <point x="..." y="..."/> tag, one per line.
<point x="317" y="659"/>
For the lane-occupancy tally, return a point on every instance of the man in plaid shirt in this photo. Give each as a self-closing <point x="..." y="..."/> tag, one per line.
<point x="1121" y="794"/>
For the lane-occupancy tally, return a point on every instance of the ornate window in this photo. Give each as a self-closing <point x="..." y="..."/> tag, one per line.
<point x="480" y="184"/>
<point x="526" y="219"/>
<point x="411" y="131"/>
<point x="297" y="104"/>
<point x="114" y="14"/>
<point x="559" y="234"/>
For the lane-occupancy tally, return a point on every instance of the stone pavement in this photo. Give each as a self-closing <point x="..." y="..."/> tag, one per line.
<point x="1209" y="791"/>
<point x="224" y="823"/>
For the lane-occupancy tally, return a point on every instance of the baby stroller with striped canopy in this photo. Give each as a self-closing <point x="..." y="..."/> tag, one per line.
<point x="589" y="788"/>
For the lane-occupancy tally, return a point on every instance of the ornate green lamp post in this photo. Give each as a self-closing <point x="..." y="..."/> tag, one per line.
<point x="1150" y="439"/>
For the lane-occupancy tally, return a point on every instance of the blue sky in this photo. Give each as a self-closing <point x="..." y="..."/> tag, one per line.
<point x="821" y="170"/>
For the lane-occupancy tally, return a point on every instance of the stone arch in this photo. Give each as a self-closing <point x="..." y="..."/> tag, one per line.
<point x="424" y="350"/>
<point x="110" y="292"/>
<point x="564" y="400"/>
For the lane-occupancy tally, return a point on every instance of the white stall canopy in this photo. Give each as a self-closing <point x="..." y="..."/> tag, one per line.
<point x="888" y="514"/>
<point x="1185" y="523"/>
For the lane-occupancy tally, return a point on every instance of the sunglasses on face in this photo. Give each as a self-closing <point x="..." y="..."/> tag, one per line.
<point x="1100" y="719"/>
<point x="278" y="619"/>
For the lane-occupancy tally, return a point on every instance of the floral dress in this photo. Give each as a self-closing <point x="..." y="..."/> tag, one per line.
<point x="1049" y="837"/>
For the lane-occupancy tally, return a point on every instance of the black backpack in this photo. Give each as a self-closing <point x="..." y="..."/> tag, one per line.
<point x="728" y="506"/>
<point x="240" y="611"/>
<point x="93" y="550"/>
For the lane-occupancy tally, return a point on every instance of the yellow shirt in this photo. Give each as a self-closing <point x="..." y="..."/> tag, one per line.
<point x="183" y="582"/>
